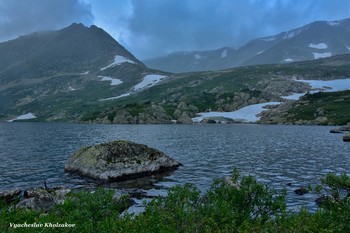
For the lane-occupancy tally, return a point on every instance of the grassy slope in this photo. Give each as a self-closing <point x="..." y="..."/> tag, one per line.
<point x="335" y="106"/>
<point x="206" y="89"/>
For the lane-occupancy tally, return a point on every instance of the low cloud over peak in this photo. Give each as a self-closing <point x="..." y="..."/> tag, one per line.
<point x="155" y="27"/>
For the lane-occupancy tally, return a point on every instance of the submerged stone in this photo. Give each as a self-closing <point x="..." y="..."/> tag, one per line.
<point x="336" y="130"/>
<point x="119" y="160"/>
<point x="301" y="191"/>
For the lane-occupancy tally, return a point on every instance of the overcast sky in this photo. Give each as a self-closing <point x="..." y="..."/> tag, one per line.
<point x="149" y="28"/>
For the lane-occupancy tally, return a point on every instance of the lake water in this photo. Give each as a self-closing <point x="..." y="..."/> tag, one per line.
<point x="275" y="154"/>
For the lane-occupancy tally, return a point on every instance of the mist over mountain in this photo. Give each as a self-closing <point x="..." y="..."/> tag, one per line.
<point x="51" y="73"/>
<point x="319" y="39"/>
<point x="72" y="49"/>
<point x="82" y="74"/>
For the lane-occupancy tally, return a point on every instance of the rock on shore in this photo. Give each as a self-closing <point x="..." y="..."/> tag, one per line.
<point x="39" y="199"/>
<point x="119" y="160"/>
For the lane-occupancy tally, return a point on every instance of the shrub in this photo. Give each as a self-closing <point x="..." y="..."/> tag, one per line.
<point x="238" y="204"/>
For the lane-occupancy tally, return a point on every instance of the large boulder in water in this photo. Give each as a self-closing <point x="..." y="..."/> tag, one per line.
<point x="119" y="160"/>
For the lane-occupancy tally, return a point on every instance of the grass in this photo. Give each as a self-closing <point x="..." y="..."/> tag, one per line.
<point x="335" y="106"/>
<point x="238" y="205"/>
<point x="205" y="90"/>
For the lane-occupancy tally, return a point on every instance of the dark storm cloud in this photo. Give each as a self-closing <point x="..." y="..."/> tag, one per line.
<point x="156" y="27"/>
<point x="160" y="26"/>
<point x="18" y="17"/>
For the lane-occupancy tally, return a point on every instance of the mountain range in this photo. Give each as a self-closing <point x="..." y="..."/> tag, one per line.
<point x="55" y="72"/>
<point x="81" y="74"/>
<point x="319" y="39"/>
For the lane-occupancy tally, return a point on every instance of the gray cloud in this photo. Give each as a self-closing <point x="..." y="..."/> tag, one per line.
<point x="161" y="26"/>
<point x="156" y="27"/>
<point x="18" y="17"/>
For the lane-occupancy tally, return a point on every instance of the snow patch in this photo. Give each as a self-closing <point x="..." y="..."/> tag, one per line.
<point x="114" y="81"/>
<point x="321" y="85"/>
<point x="288" y="60"/>
<point x="224" y="53"/>
<point x="322" y="55"/>
<point x="268" y="39"/>
<point x="86" y="72"/>
<point x="318" y="46"/>
<point x="289" y="35"/>
<point x="149" y="80"/>
<point x="328" y="85"/>
<point x="118" y="60"/>
<point x="116" y="97"/>
<point x="24" y="117"/>
<point x="70" y="88"/>
<point x="197" y="56"/>
<point x="294" y="96"/>
<point x="334" y="23"/>
<point x="347" y="47"/>
<point x="293" y="33"/>
<point x="246" y="114"/>
<point x="260" y="52"/>
<point x="249" y="113"/>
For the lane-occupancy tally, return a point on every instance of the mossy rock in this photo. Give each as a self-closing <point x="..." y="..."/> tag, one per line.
<point x="119" y="160"/>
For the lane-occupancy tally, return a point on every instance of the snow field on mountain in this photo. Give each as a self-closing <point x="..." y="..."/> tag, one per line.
<point x="224" y="53"/>
<point x="318" y="46"/>
<point x="118" y="60"/>
<point x="26" y="116"/>
<point x="147" y="82"/>
<point x="249" y="113"/>
<point x="328" y="85"/>
<point x="197" y="56"/>
<point x="322" y="55"/>
<point x="114" y="81"/>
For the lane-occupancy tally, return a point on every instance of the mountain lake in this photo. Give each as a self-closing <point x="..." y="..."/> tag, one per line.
<point x="274" y="154"/>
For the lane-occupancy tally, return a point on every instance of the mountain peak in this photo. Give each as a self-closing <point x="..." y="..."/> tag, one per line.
<point x="77" y="25"/>
<point x="75" y="48"/>
<point x="315" y="40"/>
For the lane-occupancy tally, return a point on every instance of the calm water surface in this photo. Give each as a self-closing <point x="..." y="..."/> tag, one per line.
<point x="33" y="152"/>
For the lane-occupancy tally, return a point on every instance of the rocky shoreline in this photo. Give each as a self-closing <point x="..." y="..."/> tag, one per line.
<point x="39" y="199"/>
<point x="343" y="130"/>
<point x="44" y="199"/>
<point x="106" y="162"/>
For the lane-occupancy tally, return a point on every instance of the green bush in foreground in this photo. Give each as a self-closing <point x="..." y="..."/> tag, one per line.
<point x="240" y="204"/>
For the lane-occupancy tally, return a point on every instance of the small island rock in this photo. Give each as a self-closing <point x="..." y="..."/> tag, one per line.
<point x="301" y="191"/>
<point x="119" y="160"/>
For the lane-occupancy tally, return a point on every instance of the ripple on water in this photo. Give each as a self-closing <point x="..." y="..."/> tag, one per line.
<point x="275" y="155"/>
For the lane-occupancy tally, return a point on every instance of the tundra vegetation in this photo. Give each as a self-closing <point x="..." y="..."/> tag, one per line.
<point x="238" y="204"/>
